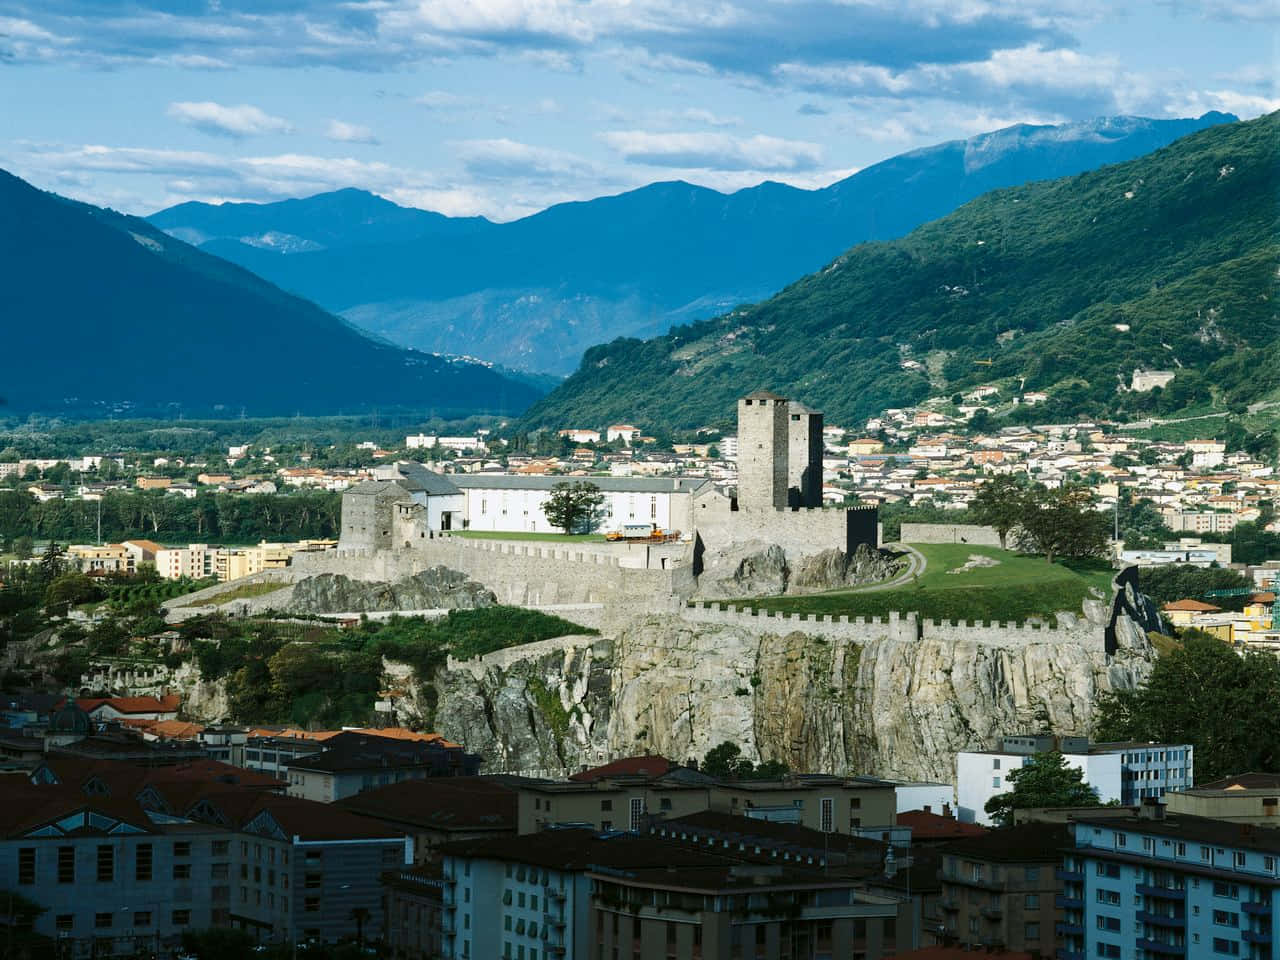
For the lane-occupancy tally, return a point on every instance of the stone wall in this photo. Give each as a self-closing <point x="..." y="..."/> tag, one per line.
<point x="949" y="533"/>
<point x="519" y="573"/>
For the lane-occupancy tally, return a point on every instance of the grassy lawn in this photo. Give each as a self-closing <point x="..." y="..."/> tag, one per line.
<point x="525" y="535"/>
<point x="243" y="592"/>
<point x="1017" y="588"/>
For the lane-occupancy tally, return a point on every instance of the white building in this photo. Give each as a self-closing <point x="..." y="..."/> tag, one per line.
<point x="578" y="435"/>
<point x="1123" y="772"/>
<point x="441" y="498"/>
<point x="728" y="448"/>
<point x="508" y="503"/>
<point x="933" y="797"/>
<point x="420" y="441"/>
<point x="622" y="431"/>
<point x="1206" y="454"/>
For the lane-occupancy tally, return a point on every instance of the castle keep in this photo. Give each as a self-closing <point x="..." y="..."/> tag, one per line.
<point x="778" y="501"/>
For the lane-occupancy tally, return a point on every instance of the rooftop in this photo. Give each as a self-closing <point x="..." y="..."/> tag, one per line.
<point x="1025" y="843"/>
<point x="440" y="803"/>
<point x="506" y="481"/>
<point x="1223" y="833"/>
<point x="651" y="766"/>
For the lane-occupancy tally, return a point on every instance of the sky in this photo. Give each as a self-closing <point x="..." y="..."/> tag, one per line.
<point x="502" y="107"/>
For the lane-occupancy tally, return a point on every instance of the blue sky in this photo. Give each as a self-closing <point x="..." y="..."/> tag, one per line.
<point x="501" y="107"/>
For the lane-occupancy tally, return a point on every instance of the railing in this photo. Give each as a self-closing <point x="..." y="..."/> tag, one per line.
<point x="1257" y="907"/>
<point x="1162" y="947"/>
<point x="1256" y="936"/>
<point x="1161" y="893"/>
<point x="1162" y="919"/>
<point x="1066" y="902"/>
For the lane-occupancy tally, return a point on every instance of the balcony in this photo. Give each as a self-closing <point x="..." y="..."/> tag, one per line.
<point x="553" y="893"/>
<point x="992" y="911"/>
<point x="448" y="926"/>
<point x="1257" y="907"/>
<point x="1162" y="919"/>
<point x="1064" y="902"/>
<point x="1070" y="876"/>
<point x="1256" y="936"/>
<point x="950" y="906"/>
<point x="1161" y="893"/>
<point x="555" y="948"/>
<point x="1162" y="948"/>
<point x="1064" y="954"/>
<point x="550" y="920"/>
<point x="1069" y="929"/>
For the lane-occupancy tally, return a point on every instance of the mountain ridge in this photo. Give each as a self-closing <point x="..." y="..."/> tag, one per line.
<point x="171" y="324"/>
<point x="1165" y="261"/>
<point x="534" y="293"/>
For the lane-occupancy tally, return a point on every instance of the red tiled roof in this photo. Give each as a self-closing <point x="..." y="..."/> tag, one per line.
<point x="1191" y="606"/>
<point x="646" y="766"/>
<point x="932" y="826"/>
<point x="166" y="704"/>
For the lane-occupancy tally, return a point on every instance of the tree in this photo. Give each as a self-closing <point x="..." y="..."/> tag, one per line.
<point x="23" y="547"/>
<point x="1045" y="781"/>
<point x="1000" y="503"/>
<point x="574" y="507"/>
<point x="1062" y="522"/>
<point x="1198" y="694"/>
<point x="727" y="762"/>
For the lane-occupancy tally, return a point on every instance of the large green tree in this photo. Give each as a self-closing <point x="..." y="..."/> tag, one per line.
<point x="1207" y="695"/>
<point x="1000" y="503"/>
<point x="574" y="507"/>
<point x="1062" y="523"/>
<point x="1045" y="781"/>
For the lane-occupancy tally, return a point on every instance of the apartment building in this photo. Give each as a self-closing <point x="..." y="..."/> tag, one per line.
<point x="355" y="760"/>
<point x="1161" y="885"/>
<point x="1122" y="772"/>
<point x="998" y="889"/>
<point x="624" y="801"/>
<point x="414" y="912"/>
<point x="1245" y="798"/>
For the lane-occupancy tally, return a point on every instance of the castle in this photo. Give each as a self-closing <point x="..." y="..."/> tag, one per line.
<point x="778" y="501"/>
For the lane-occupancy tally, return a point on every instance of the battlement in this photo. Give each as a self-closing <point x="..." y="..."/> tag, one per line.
<point x="517" y="549"/>
<point x="908" y="626"/>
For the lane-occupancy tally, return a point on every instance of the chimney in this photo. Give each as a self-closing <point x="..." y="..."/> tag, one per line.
<point x="946" y="810"/>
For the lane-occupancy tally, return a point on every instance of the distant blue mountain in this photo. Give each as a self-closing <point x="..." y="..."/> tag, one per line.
<point x="534" y="293"/>
<point x="103" y="312"/>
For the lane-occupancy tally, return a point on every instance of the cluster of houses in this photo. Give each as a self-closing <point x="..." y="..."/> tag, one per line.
<point x="196" y="561"/>
<point x="126" y="827"/>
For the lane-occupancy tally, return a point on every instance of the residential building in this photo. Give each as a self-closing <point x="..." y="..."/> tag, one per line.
<point x="622" y="431"/>
<point x="1146" y="380"/>
<point x="439" y="810"/>
<point x="923" y="795"/>
<point x="1123" y="772"/>
<point x="998" y="889"/>
<point x="1160" y="885"/>
<point x="414" y="912"/>
<point x="352" y="761"/>
<point x="1244" y="798"/>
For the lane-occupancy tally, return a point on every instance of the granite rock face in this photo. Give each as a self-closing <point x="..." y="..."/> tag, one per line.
<point x="749" y="569"/>
<point x="890" y="705"/>
<point x="434" y="588"/>
<point x="832" y="569"/>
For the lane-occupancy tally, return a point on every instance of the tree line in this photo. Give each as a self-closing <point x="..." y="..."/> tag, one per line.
<point x="1057" y="522"/>
<point x="155" y="515"/>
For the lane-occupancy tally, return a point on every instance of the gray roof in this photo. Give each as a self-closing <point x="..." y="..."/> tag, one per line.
<point x="378" y="488"/>
<point x="506" y="481"/>
<point x="418" y="479"/>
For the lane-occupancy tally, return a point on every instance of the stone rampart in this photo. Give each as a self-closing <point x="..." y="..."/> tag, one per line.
<point x="901" y="627"/>
<point x="970" y="533"/>
<point x="503" y="659"/>
<point x="519" y="573"/>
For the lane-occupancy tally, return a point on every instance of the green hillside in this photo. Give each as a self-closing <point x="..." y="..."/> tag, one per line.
<point x="1180" y="246"/>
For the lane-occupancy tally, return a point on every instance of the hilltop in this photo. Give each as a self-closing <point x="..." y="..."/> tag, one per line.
<point x="1167" y="261"/>
<point x="105" y="312"/>
<point x="535" y="293"/>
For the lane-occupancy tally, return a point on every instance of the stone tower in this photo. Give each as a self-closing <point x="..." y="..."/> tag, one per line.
<point x="804" y="456"/>
<point x="763" y="440"/>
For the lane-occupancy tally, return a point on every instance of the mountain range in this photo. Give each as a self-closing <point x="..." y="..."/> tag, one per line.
<point x="106" y="312"/>
<point x="1166" y="262"/>
<point x="533" y="294"/>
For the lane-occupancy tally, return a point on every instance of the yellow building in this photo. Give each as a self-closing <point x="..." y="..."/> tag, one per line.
<point x="110" y="558"/>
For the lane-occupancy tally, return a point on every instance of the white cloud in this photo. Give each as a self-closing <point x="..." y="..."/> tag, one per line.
<point x="343" y="132"/>
<point x="714" y="151"/>
<point x="238" y="121"/>
<point x="1243" y="105"/>
<point x="502" y="158"/>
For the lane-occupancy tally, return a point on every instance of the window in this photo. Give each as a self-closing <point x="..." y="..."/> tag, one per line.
<point x="1229" y="890"/>
<point x="182" y="871"/>
<point x="828" y="814"/>
<point x="1205" y="855"/>
<point x="106" y="863"/>
<point x="1108" y="869"/>
<point x="637" y="811"/>
<point x="1239" y="858"/>
<point x="1109" y="896"/>
<point x="995" y="783"/>
<point x="606" y="804"/>
<point x="1224" y="918"/>
<point x="102" y="921"/>
<point x="1229" y="947"/>
<point x="221" y="848"/>
<point x="181" y="918"/>
<point x="1108" y="923"/>
<point x="27" y="865"/>
<point x="66" y="864"/>
<point x="665" y="804"/>
<point x="1110" y="950"/>
<point x="995" y="764"/>
<point x="1031" y="901"/>
<point x="312" y="904"/>
<point x="182" y="848"/>
<point x="142" y="862"/>
<point x="312" y="881"/>
<point x="1120" y="839"/>
<point x="64" y="921"/>
<point x="1031" y="931"/>
<point x="142" y="918"/>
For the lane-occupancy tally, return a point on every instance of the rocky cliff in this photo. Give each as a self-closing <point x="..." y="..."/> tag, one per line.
<point x="432" y="589"/>
<point x="893" y="706"/>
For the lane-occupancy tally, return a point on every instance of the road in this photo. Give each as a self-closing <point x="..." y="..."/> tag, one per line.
<point x="916" y="564"/>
